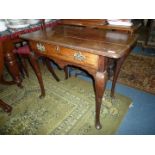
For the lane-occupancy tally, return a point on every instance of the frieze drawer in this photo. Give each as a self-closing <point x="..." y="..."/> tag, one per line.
<point x="66" y="54"/>
<point x="75" y="56"/>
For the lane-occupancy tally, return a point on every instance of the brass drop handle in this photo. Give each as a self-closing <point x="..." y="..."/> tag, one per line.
<point x="78" y="56"/>
<point x="40" y="47"/>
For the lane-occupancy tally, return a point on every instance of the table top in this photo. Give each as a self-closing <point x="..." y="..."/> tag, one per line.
<point x="101" y="42"/>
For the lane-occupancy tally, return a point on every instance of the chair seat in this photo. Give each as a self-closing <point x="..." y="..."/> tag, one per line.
<point x="22" y="50"/>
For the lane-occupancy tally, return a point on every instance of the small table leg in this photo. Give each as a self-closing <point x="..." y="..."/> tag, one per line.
<point x="33" y="61"/>
<point x="100" y="85"/>
<point x="118" y="66"/>
<point x="7" y="108"/>
<point x="100" y="80"/>
<point x="50" y="68"/>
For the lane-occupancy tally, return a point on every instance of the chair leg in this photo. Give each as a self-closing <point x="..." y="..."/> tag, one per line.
<point x="25" y="68"/>
<point x="23" y="65"/>
<point x="50" y="68"/>
<point x="13" y="68"/>
<point x="20" y="65"/>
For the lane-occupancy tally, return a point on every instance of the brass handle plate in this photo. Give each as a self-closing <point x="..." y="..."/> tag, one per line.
<point x="40" y="47"/>
<point x="78" y="56"/>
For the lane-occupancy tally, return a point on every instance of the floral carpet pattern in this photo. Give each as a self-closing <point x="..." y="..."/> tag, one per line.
<point x="68" y="108"/>
<point x="138" y="71"/>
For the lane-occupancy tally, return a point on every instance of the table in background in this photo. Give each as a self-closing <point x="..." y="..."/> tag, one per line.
<point x="11" y="63"/>
<point x="101" y="23"/>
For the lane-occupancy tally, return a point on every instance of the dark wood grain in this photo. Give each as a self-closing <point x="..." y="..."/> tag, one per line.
<point x="96" y="41"/>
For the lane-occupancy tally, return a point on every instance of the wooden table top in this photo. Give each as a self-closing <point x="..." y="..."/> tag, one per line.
<point x="101" y="42"/>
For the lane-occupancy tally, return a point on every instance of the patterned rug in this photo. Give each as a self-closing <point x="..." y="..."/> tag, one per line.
<point x="68" y="108"/>
<point x="139" y="72"/>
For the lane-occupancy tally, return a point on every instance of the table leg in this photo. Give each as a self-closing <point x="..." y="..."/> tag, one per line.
<point x="34" y="63"/>
<point x="11" y="62"/>
<point x="100" y="80"/>
<point x="50" y="68"/>
<point x="118" y="66"/>
<point x="100" y="85"/>
<point x="7" y="108"/>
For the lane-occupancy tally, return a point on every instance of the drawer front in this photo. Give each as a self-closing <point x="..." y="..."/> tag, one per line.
<point x="66" y="54"/>
<point x="74" y="56"/>
<point x="79" y="57"/>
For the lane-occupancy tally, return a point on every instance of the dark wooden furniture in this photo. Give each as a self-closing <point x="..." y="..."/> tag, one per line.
<point x="100" y="23"/>
<point x="89" y="49"/>
<point x="3" y="105"/>
<point x="9" y="58"/>
<point x="11" y="62"/>
<point x="13" y="38"/>
<point x="150" y="39"/>
<point x="146" y="37"/>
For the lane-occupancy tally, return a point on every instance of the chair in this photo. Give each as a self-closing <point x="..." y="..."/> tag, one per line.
<point x="9" y="57"/>
<point x="3" y="105"/>
<point x="22" y="51"/>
